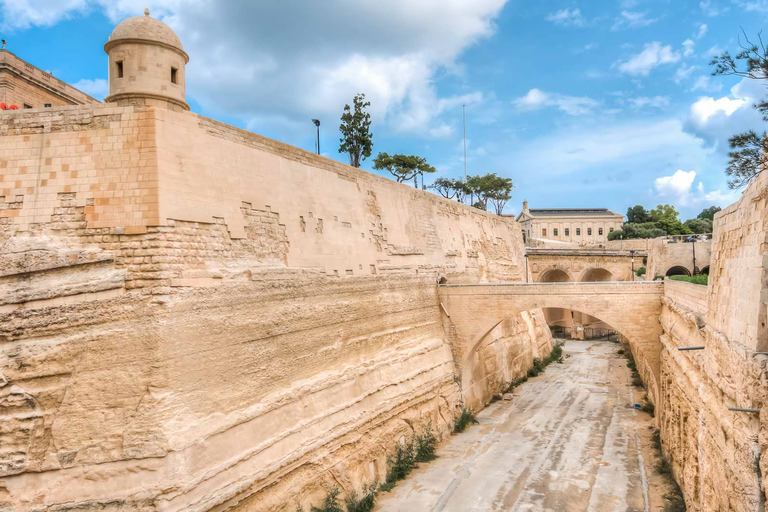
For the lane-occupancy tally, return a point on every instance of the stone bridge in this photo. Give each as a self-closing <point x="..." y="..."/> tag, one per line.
<point x="632" y="308"/>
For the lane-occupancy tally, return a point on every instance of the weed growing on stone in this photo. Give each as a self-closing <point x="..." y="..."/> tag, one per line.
<point x="463" y="420"/>
<point x="648" y="407"/>
<point x="621" y="351"/>
<point x="420" y="448"/>
<point x="426" y="445"/>
<point x="366" y="502"/>
<point x="331" y="503"/>
<point x="675" y="501"/>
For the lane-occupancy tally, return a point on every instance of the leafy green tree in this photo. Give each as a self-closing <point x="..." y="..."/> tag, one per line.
<point x="709" y="213"/>
<point x="356" y="137"/>
<point x="450" y="188"/>
<point x="745" y="159"/>
<point x="699" y="226"/>
<point x="403" y="167"/>
<point x="637" y="215"/>
<point x="490" y="188"/>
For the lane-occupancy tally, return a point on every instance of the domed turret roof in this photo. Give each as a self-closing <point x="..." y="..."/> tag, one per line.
<point x="147" y="29"/>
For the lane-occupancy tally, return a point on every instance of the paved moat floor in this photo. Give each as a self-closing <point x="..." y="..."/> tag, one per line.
<point x="569" y="441"/>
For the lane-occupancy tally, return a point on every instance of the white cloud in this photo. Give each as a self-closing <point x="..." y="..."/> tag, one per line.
<point x="683" y="72"/>
<point x="687" y="48"/>
<point x="273" y="62"/>
<point x="629" y="19"/>
<point x="711" y="9"/>
<point x="759" y="6"/>
<point x="571" y="105"/>
<point x="706" y="107"/>
<point x="645" y="101"/>
<point x="567" y="18"/>
<point x="716" y="120"/>
<point x="705" y="83"/>
<point x="651" y="57"/>
<point x="98" y="88"/>
<point x="679" y="188"/>
<point x="702" y="30"/>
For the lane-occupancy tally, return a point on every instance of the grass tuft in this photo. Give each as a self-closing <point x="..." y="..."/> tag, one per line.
<point x="426" y="445"/>
<point x="648" y="407"/>
<point x="463" y="420"/>
<point x="366" y="502"/>
<point x="331" y="503"/>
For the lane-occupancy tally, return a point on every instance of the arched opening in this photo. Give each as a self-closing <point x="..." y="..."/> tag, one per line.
<point x="596" y="274"/>
<point x="442" y="280"/>
<point x="505" y="352"/>
<point x="555" y="275"/>
<point x="678" y="271"/>
<point x="705" y="270"/>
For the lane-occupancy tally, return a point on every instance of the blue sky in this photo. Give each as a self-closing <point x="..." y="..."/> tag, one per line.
<point x="581" y="103"/>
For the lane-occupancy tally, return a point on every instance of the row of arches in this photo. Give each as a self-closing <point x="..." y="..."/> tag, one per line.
<point x="556" y="275"/>
<point x="679" y="270"/>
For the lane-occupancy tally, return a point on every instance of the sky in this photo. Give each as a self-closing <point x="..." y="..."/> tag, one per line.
<point x="582" y="103"/>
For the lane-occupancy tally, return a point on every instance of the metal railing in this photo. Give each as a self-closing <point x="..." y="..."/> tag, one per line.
<point x="676" y="239"/>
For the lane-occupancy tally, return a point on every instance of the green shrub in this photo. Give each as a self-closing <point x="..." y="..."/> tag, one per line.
<point x="516" y="382"/>
<point x="649" y="407"/>
<point x="656" y="439"/>
<point x="331" y="503"/>
<point x="640" y="271"/>
<point x="364" y="503"/>
<point x="699" y="279"/>
<point x="621" y="351"/>
<point x="401" y="464"/>
<point x="637" y="381"/>
<point x="663" y="467"/>
<point x="463" y="420"/>
<point x="426" y="445"/>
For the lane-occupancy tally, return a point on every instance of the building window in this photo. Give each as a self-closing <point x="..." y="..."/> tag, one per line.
<point x="578" y="231"/>
<point x="543" y="231"/>
<point x="599" y="231"/>
<point x="610" y="230"/>
<point x="554" y="232"/>
<point x="589" y="231"/>
<point x="27" y="106"/>
<point x="47" y="105"/>
<point x="173" y="75"/>
<point x="567" y="232"/>
<point x="119" y="69"/>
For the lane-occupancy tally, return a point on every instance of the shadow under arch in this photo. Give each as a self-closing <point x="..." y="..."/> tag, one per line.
<point x="678" y="270"/>
<point x="594" y="275"/>
<point x="475" y="375"/>
<point x="705" y="270"/>
<point x="555" y="275"/>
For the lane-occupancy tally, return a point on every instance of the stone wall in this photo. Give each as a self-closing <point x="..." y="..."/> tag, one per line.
<point x="720" y="457"/>
<point x="665" y="253"/>
<point x="193" y="317"/>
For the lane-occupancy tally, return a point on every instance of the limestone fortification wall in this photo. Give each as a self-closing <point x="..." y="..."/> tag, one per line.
<point x="665" y="253"/>
<point x="720" y="457"/>
<point x="193" y="317"/>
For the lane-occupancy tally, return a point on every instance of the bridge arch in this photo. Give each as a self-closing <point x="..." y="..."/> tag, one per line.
<point x="596" y="274"/>
<point x="633" y="309"/>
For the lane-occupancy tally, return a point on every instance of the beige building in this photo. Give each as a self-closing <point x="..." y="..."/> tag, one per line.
<point x="583" y="226"/>
<point x="25" y="86"/>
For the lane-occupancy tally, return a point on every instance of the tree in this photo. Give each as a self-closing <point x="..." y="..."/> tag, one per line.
<point x="665" y="217"/>
<point x="745" y="159"/>
<point x="748" y="148"/>
<point x="450" y="188"/>
<point x="699" y="226"/>
<point x="489" y="187"/>
<point x="637" y="215"/>
<point x="356" y="138"/>
<point x="500" y="193"/>
<point x="709" y="213"/>
<point x="403" y="167"/>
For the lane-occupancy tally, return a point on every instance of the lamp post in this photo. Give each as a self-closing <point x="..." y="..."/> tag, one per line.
<point x="317" y="123"/>
<point x="526" y="268"/>
<point x="693" y="242"/>
<point x="632" y="253"/>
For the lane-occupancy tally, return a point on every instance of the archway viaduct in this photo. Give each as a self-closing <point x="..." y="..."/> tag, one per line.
<point x="632" y="308"/>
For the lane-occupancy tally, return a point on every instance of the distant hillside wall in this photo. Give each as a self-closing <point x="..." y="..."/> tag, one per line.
<point x="194" y="317"/>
